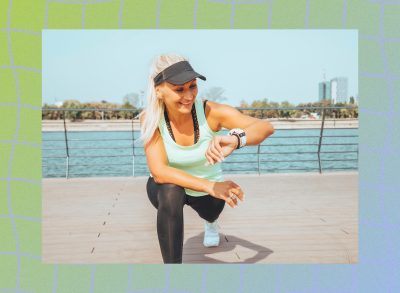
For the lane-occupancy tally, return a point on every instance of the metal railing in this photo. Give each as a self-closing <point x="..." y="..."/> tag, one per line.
<point x="126" y="149"/>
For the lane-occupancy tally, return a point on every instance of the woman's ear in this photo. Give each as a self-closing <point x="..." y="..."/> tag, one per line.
<point x="158" y="93"/>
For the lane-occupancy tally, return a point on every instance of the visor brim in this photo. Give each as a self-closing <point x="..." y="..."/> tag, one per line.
<point x="184" y="77"/>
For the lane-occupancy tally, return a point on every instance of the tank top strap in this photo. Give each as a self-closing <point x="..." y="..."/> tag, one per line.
<point x="201" y="117"/>
<point x="204" y="105"/>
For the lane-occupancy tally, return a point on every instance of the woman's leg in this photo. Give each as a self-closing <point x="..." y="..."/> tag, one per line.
<point x="208" y="207"/>
<point x="169" y="200"/>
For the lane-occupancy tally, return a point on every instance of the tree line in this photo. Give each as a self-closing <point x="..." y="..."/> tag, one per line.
<point x="132" y="104"/>
<point x="98" y="111"/>
<point x="351" y="110"/>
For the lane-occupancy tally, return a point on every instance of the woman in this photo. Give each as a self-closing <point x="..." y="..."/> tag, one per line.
<point x="184" y="152"/>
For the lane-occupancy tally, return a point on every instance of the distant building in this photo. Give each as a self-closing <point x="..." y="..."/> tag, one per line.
<point x="324" y="91"/>
<point x="339" y="90"/>
<point x="334" y="90"/>
<point x="321" y="91"/>
<point x="328" y="90"/>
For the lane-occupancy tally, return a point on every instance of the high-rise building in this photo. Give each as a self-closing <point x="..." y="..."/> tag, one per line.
<point x="334" y="90"/>
<point x="321" y="91"/>
<point x="339" y="90"/>
<point x="328" y="90"/>
<point x="324" y="91"/>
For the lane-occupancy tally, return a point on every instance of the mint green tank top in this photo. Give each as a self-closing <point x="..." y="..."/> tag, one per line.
<point x="191" y="159"/>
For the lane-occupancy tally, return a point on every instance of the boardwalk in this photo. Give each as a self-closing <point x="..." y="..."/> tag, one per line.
<point x="286" y="218"/>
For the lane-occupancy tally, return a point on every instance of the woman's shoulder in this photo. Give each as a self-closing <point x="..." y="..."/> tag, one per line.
<point x="216" y="108"/>
<point x="216" y="113"/>
<point x="212" y="108"/>
<point x="210" y="111"/>
<point x="228" y="117"/>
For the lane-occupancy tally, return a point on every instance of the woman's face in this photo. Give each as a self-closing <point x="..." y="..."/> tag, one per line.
<point x="178" y="97"/>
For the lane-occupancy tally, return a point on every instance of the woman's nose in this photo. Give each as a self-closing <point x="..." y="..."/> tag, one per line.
<point x="188" y="95"/>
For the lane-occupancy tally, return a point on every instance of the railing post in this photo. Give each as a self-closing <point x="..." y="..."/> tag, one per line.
<point x="258" y="155"/>
<point x="66" y="167"/>
<point x="66" y="148"/>
<point x="133" y="149"/>
<point x="320" y="140"/>
<point x="358" y="160"/>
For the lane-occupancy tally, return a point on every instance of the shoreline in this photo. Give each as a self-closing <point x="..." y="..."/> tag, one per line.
<point x="129" y="125"/>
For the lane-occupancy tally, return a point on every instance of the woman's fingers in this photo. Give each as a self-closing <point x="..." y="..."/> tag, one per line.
<point x="217" y="144"/>
<point x="231" y="202"/>
<point x="214" y="150"/>
<point x="232" y="199"/>
<point x="238" y="192"/>
<point x="229" y="191"/>
<point x="208" y="154"/>
<point x="211" y="157"/>
<point x="212" y="154"/>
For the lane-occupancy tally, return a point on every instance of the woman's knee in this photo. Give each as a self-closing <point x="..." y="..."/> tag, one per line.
<point x="213" y="212"/>
<point x="152" y="190"/>
<point x="171" y="187"/>
<point x="171" y="198"/>
<point x="171" y="192"/>
<point x="212" y="217"/>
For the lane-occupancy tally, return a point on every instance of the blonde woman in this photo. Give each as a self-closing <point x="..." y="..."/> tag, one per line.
<point x="184" y="152"/>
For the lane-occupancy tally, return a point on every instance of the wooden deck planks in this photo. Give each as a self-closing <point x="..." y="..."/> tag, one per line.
<point x="286" y="218"/>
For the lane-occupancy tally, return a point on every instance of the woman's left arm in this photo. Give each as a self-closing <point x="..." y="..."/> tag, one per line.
<point x="256" y="130"/>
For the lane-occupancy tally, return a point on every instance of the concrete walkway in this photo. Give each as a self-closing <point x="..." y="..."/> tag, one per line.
<point x="127" y="125"/>
<point x="286" y="218"/>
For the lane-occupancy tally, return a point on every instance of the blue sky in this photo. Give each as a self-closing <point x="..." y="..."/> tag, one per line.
<point x="94" y="65"/>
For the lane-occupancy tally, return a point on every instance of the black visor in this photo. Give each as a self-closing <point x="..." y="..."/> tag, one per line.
<point x="178" y="73"/>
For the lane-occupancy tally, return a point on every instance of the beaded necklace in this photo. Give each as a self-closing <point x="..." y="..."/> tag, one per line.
<point x="195" y="124"/>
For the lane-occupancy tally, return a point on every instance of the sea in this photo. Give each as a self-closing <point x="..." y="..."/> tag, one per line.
<point x="119" y="153"/>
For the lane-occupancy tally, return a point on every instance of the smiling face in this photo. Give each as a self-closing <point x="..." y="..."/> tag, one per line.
<point x="178" y="98"/>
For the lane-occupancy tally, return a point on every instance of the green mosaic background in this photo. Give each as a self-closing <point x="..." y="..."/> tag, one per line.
<point x="21" y="22"/>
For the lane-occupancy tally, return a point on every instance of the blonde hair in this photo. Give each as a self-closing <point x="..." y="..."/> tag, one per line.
<point x="155" y="107"/>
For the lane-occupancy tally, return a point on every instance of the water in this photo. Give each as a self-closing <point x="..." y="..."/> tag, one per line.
<point x="110" y="153"/>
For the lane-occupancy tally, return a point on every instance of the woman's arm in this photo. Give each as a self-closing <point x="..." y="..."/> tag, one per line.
<point x="257" y="130"/>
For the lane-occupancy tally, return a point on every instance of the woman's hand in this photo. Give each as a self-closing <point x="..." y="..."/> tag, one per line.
<point x="226" y="190"/>
<point x="220" y="147"/>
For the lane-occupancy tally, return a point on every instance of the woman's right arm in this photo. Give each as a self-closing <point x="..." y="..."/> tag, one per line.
<point x="157" y="162"/>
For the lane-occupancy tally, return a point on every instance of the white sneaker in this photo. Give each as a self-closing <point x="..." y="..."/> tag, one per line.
<point x="211" y="236"/>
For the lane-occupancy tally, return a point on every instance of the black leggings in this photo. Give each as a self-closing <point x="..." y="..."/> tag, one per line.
<point x="169" y="200"/>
